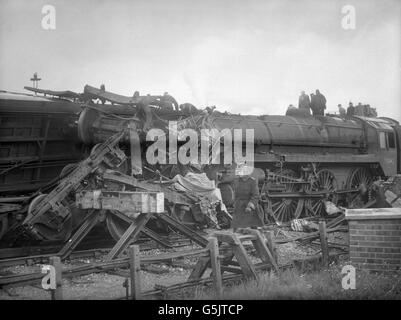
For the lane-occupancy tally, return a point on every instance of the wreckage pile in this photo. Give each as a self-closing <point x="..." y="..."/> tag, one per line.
<point x="302" y="165"/>
<point x="53" y="216"/>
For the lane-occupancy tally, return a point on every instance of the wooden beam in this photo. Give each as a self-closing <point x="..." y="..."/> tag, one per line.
<point x="323" y="243"/>
<point x="129" y="236"/>
<point x="146" y="231"/>
<point x="243" y="259"/>
<point x="215" y="262"/>
<point x="271" y="244"/>
<point x="263" y="251"/>
<point x="90" y="221"/>
<point x="135" y="270"/>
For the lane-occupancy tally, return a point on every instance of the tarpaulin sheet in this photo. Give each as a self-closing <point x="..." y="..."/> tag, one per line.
<point x="201" y="185"/>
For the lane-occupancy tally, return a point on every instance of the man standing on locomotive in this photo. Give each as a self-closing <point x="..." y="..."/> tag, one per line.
<point x="320" y="104"/>
<point x="304" y="102"/>
<point x="246" y="212"/>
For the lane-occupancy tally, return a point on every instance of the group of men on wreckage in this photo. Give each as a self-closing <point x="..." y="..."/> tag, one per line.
<point x="317" y="104"/>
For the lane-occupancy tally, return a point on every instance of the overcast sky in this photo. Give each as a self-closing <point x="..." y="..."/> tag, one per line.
<point x="242" y="56"/>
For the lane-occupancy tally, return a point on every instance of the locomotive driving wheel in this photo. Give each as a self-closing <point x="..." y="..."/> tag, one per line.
<point x="116" y="225"/>
<point x="286" y="209"/>
<point x="360" y="179"/>
<point x="324" y="181"/>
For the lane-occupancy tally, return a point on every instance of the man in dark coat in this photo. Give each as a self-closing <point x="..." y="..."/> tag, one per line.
<point x="320" y="104"/>
<point x="246" y="212"/>
<point x="304" y="102"/>
<point x="350" y="110"/>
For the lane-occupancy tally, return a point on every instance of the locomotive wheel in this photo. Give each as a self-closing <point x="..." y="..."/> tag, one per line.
<point x="286" y="209"/>
<point x="325" y="181"/>
<point x="64" y="229"/>
<point x="361" y="179"/>
<point x="116" y="226"/>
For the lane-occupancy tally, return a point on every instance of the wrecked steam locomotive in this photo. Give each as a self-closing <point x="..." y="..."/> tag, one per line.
<point x="300" y="162"/>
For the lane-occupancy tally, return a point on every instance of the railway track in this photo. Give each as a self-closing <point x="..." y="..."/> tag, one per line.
<point x="92" y="249"/>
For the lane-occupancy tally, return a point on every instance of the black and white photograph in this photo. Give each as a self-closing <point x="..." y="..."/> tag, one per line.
<point x="200" y="154"/>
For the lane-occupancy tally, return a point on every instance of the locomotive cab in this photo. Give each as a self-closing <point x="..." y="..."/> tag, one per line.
<point x="381" y="138"/>
<point x="397" y="136"/>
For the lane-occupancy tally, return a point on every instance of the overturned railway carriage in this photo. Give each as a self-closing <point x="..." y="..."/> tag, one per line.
<point x="38" y="138"/>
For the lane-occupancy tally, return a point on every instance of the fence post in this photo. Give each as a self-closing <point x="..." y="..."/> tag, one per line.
<point x="57" y="294"/>
<point x="323" y="242"/>
<point x="135" y="268"/>
<point x="271" y="244"/>
<point x="216" y="268"/>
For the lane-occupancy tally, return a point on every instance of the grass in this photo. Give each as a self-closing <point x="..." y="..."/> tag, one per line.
<point x="322" y="284"/>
